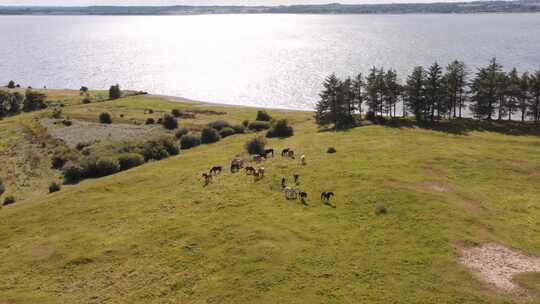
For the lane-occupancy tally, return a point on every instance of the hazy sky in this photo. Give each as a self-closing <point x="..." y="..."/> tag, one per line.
<point x="194" y="2"/>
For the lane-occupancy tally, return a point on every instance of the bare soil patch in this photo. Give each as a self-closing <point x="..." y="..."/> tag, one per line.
<point x="496" y="265"/>
<point x="84" y="131"/>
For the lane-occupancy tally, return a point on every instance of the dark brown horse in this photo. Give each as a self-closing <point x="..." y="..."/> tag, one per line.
<point x="216" y="170"/>
<point x="268" y="152"/>
<point x="250" y="170"/>
<point x="327" y="195"/>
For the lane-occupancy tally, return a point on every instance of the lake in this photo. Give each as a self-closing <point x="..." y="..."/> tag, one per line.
<point x="262" y="60"/>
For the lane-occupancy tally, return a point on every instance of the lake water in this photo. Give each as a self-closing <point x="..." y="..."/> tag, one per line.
<point x="263" y="60"/>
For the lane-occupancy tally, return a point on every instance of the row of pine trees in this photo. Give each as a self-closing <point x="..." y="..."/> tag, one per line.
<point x="431" y="94"/>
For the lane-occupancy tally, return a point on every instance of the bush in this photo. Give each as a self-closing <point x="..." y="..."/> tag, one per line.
<point x="209" y="135"/>
<point x="83" y="145"/>
<point x="72" y="173"/>
<point x="150" y="121"/>
<point x="86" y="100"/>
<point x="11" y="84"/>
<point x="130" y="160"/>
<point x="60" y="158"/>
<point x="169" y="122"/>
<point x="256" y="145"/>
<point x="259" y="125"/>
<point x="239" y="129"/>
<point x="115" y="92"/>
<point x="9" y="200"/>
<point x="245" y="123"/>
<point x="380" y="209"/>
<point x="280" y="129"/>
<point x="263" y="116"/>
<point x="176" y="113"/>
<point x="67" y="122"/>
<point x="83" y="89"/>
<point x="94" y="167"/>
<point x="225" y="132"/>
<point x="160" y="148"/>
<point x="219" y="124"/>
<point x="54" y="187"/>
<point x="105" y="118"/>
<point x="181" y="132"/>
<point x="331" y="150"/>
<point x="189" y="141"/>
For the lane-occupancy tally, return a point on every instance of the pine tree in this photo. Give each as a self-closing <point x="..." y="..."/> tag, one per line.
<point x="392" y="92"/>
<point x="524" y="99"/>
<point x="455" y="81"/>
<point x="513" y="91"/>
<point x="414" y="93"/>
<point x="358" y="85"/>
<point x="485" y="90"/>
<point x="534" y="92"/>
<point x="374" y="90"/>
<point x="435" y="90"/>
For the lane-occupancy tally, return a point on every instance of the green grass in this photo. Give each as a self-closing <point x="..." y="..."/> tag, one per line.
<point x="155" y="234"/>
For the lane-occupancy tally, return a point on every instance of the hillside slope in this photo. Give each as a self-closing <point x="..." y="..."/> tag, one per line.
<point x="155" y="234"/>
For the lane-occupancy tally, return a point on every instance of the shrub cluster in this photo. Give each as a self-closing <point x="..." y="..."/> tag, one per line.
<point x="9" y="200"/>
<point x="239" y="129"/>
<point x="259" y="126"/>
<point x="150" y="121"/>
<point x="263" y="116"/>
<point x="181" y="132"/>
<point x="280" y="129"/>
<point x="256" y="145"/>
<point x="169" y="122"/>
<point x="99" y="167"/>
<point x="225" y="132"/>
<point x="105" y="118"/>
<point x="219" y="124"/>
<point x="161" y="148"/>
<point x="54" y="187"/>
<point x="189" y="141"/>
<point x="115" y="92"/>
<point x="130" y="160"/>
<point x="209" y="135"/>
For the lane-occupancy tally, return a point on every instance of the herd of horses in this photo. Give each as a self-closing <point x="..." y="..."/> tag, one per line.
<point x="258" y="173"/>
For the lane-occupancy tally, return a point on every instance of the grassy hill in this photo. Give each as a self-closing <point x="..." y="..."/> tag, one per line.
<point x="155" y="234"/>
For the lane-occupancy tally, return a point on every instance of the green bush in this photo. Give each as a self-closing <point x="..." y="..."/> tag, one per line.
<point x="105" y="118"/>
<point x="181" y="132"/>
<point x="72" y="173"/>
<point x="9" y="200"/>
<point x="219" y="124"/>
<point x="225" y="132"/>
<point x="11" y="84"/>
<point x="331" y="150"/>
<point x="259" y="126"/>
<point x="189" y="141"/>
<point x="150" y="121"/>
<point x="99" y="167"/>
<point x="263" y="116"/>
<point x="256" y="145"/>
<point x="61" y="157"/>
<point x="176" y="113"/>
<point x="54" y="187"/>
<point x="280" y="129"/>
<point x="209" y="135"/>
<point x="239" y="129"/>
<point x="160" y="148"/>
<point x="169" y="122"/>
<point x="245" y="123"/>
<point x="115" y="92"/>
<point x="130" y="160"/>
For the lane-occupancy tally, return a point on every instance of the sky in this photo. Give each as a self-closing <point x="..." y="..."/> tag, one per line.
<point x="195" y="2"/>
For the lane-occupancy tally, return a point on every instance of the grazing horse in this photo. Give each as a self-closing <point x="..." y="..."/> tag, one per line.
<point x="303" y="196"/>
<point x="237" y="164"/>
<point x="327" y="195"/>
<point x="296" y="178"/>
<point x="216" y="170"/>
<point x="303" y="160"/>
<point x="285" y="152"/>
<point x="250" y="170"/>
<point x="235" y="168"/>
<point x="283" y="184"/>
<point x="207" y="178"/>
<point x="290" y="193"/>
<point x="261" y="172"/>
<point x="268" y="151"/>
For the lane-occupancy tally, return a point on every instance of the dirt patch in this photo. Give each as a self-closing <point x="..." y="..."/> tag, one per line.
<point x="429" y="186"/>
<point x="84" y="131"/>
<point x="496" y="265"/>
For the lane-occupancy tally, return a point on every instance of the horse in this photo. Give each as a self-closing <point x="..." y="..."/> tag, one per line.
<point x="290" y="193"/>
<point x="207" y="178"/>
<point x="216" y="170"/>
<point x="235" y="168"/>
<point x="303" y="196"/>
<point x="258" y="174"/>
<point x="303" y="160"/>
<point x="296" y="178"/>
<point x="250" y="170"/>
<point x="268" y="151"/>
<point x="285" y="152"/>
<point x="261" y="172"/>
<point x="326" y="195"/>
<point x="290" y="154"/>
<point x="237" y="164"/>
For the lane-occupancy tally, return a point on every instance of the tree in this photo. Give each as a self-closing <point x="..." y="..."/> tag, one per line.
<point x="455" y="80"/>
<point x="414" y="93"/>
<point x="357" y="88"/>
<point x="435" y="91"/>
<point x="524" y="98"/>
<point x="375" y="90"/>
<point x="83" y="90"/>
<point x="392" y="92"/>
<point x="485" y="90"/>
<point x="169" y="122"/>
<point x="513" y="91"/>
<point x="115" y="92"/>
<point x="11" y="84"/>
<point x="105" y="118"/>
<point x="534" y="92"/>
<point x="33" y="101"/>
<point x="331" y="108"/>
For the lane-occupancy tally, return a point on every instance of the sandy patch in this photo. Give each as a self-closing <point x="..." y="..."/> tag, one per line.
<point x="496" y="265"/>
<point x="84" y="131"/>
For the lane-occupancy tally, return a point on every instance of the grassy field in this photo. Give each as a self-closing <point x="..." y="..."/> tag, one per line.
<point x="155" y="234"/>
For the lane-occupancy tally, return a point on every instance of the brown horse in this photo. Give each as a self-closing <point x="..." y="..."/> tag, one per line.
<point x="207" y="178"/>
<point x="250" y="170"/>
<point x="327" y="195"/>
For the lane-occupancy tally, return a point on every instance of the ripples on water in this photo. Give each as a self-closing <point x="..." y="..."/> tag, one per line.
<point x="264" y="60"/>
